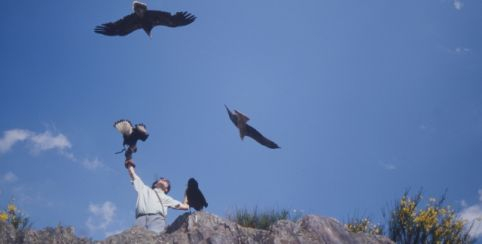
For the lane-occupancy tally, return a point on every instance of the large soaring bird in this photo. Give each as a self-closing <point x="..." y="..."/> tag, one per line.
<point x="239" y="120"/>
<point x="144" y="19"/>
<point x="131" y="135"/>
<point x="195" y="197"/>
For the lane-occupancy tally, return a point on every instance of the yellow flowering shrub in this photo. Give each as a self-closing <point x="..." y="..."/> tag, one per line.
<point x="14" y="217"/>
<point x="364" y="225"/>
<point x="11" y="208"/>
<point x="3" y="217"/>
<point x="434" y="223"/>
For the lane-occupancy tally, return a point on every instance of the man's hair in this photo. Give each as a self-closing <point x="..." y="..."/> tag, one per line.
<point x="168" y="184"/>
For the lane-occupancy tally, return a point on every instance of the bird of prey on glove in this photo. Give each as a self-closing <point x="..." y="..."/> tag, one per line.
<point x="131" y="135"/>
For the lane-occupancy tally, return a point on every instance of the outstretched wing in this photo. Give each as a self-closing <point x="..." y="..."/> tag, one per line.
<point x="121" y="27"/>
<point x="157" y="17"/>
<point x="253" y="133"/>
<point x="232" y="116"/>
<point x="124" y="127"/>
<point x="141" y="132"/>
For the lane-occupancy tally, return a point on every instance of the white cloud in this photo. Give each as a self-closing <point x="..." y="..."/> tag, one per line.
<point x="473" y="215"/>
<point x="458" y="4"/>
<point x="388" y="166"/>
<point x="69" y="155"/>
<point x="47" y="141"/>
<point x="9" y="177"/>
<point x="10" y="137"/>
<point x="461" y="50"/>
<point x="457" y="50"/>
<point x="92" y="164"/>
<point x="101" y="215"/>
<point x="41" y="141"/>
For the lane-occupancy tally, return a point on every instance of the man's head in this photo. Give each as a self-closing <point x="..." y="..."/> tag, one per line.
<point x="163" y="183"/>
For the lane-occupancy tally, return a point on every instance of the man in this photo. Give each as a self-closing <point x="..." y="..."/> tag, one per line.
<point x="152" y="202"/>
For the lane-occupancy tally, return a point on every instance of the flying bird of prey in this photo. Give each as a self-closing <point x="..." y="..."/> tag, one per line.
<point x="144" y="19"/>
<point x="239" y="120"/>
<point x="131" y="135"/>
<point x="195" y="197"/>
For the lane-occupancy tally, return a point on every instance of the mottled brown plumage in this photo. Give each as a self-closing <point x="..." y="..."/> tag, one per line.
<point x="131" y="135"/>
<point x="240" y="121"/>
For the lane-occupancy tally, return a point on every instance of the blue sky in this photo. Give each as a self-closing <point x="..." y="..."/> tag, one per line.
<point x="366" y="98"/>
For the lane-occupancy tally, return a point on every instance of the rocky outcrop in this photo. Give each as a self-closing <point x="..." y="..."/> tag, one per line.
<point x="7" y="233"/>
<point x="57" y="235"/>
<point x="203" y="227"/>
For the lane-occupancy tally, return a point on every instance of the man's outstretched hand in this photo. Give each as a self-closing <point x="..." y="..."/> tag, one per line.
<point x="129" y="163"/>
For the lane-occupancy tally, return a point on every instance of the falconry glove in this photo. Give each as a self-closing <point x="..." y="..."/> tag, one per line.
<point x="129" y="163"/>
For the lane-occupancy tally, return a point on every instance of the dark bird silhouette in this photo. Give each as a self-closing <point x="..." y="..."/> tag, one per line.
<point x="144" y="19"/>
<point x="131" y="135"/>
<point x="195" y="197"/>
<point x="239" y="120"/>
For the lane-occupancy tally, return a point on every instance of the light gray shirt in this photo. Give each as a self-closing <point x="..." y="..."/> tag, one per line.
<point x="148" y="202"/>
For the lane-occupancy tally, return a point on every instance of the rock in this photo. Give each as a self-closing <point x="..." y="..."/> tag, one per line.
<point x="133" y="235"/>
<point x="316" y="229"/>
<point x="58" y="235"/>
<point x="55" y="235"/>
<point x="203" y="227"/>
<point x="7" y="233"/>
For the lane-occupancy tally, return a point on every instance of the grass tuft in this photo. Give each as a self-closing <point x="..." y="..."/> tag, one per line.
<point x="261" y="220"/>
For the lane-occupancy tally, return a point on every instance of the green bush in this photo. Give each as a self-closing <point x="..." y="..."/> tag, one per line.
<point x="260" y="220"/>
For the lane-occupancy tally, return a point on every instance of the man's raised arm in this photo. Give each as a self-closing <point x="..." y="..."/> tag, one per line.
<point x="130" y="166"/>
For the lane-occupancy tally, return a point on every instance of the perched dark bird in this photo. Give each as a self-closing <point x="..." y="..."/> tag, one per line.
<point x="239" y="120"/>
<point x="195" y="197"/>
<point x="144" y="19"/>
<point x="131" y="135"/>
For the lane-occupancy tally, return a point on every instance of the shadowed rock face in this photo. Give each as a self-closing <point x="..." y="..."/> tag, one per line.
<point x="202" y="227"/>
